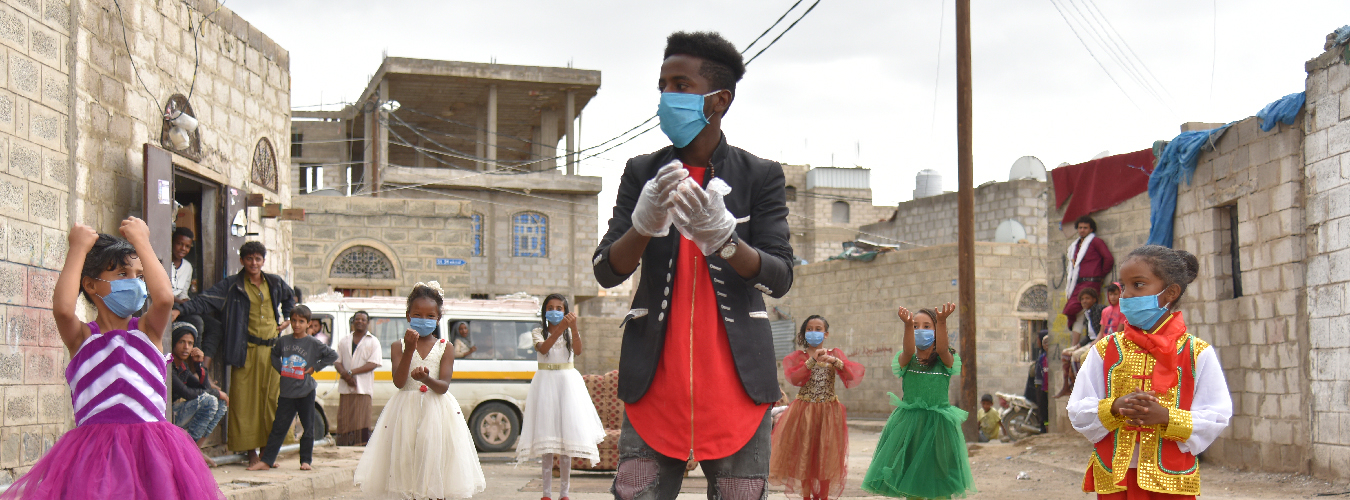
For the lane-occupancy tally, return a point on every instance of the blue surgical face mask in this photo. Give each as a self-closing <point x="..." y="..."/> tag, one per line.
<point x="126" y="296"/>
<point x="423" y="326"/>
<point x="814" y="338"/>
<point x="1143" y="312"/>
<point x="924" y="339"/>
<point x="553" y="317"/>
<point x="682" y="116"/>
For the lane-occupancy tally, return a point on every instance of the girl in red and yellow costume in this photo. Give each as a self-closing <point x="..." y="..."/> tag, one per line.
<point x="1153" y="397"/>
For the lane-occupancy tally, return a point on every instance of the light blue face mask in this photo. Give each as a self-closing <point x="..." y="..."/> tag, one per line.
<point x="814" y="338"/>
<point x="126" y="296"/>
<point x="682" y="116"/>
<point x="423" y="326"/>
<point x="924" y="339"/>
<point x="553" y="317"/>
<point x="1142" y="312"/>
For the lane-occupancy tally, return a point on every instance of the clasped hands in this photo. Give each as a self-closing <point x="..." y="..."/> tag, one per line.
<point x="673" y="198"/>
<point x="822" y="356"/>
<point x="1141" y="408"/>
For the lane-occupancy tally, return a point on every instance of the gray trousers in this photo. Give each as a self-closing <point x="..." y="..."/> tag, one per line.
<point x="645" y="474"/>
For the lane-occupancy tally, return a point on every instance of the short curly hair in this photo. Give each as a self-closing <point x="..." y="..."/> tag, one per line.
<point x="723" y="65"/>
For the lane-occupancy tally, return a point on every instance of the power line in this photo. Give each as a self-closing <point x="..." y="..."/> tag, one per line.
<point x="1113" y="48"/>
<point x="1094" y="6"/>
<point x="937" y="73"/>
<point x="134" y="69"/>
<point x="1094" y="55"/>
<point x="785" y="31"/>
<point x="771" y="27"/>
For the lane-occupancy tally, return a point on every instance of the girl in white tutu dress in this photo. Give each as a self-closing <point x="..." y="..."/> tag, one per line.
<point x="560" y="418"/>
<point x="421" y="447"/>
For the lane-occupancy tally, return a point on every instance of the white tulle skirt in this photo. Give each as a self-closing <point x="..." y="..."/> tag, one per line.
<point x="559" y="418"/>
<point x="420" y="449"/>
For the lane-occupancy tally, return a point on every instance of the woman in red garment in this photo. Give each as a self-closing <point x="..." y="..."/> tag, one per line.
<point x="810" y="446"/>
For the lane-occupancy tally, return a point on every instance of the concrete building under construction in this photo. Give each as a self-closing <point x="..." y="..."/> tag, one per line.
<point x="501" y="138"/>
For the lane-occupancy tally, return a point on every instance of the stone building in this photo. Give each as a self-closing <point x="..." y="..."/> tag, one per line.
<point x="826" y="206"/>
<point x="78" y="118"/>
<point x="932" y="220"/>
<point x="1265" y="214"/>
<point x="482" y="136"/>
<point x="860" y="300"/>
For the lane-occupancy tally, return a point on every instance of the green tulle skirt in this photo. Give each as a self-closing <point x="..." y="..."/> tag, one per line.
<point x="921" y="454"/>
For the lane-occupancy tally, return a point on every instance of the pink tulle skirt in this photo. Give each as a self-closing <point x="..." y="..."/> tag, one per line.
<point x="154" y="460"/>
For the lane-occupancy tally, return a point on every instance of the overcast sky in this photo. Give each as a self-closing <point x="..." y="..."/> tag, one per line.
<point x="856" y="82"/>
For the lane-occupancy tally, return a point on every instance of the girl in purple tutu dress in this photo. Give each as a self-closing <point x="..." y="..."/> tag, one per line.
<point x="122" y="447"/>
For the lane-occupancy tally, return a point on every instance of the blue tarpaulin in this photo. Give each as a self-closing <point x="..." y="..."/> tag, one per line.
<point x="1342" y="35"/>
<point x="1177" y="160"/>
<point x="1282" y="111"/>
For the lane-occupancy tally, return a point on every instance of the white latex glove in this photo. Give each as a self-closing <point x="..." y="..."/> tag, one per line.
<point x="650" y="216"/>
<point x="702" y="216"/>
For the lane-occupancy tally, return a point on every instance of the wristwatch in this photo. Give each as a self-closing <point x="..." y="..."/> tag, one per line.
<point x="728" y="249"/>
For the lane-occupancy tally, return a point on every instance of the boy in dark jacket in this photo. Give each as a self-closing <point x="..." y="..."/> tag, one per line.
<point x="296" y="357"/>
<point x="198" y="405"/>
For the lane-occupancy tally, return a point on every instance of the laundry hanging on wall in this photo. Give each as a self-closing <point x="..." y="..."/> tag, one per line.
<point x="1102" y="183"/>
<point x="1177" y="161"/>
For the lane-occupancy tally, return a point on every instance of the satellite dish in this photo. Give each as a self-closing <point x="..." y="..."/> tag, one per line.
<point x="1027" y="167"/>
<point x="1101" y="155"/>
<point x="1010" y="231"/>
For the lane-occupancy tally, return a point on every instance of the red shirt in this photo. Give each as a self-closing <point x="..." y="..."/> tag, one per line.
<point x="696" y="403"/>
<point x="1098" y="261"/>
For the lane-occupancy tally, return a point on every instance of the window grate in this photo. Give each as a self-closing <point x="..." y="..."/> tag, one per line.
<point x="529" y="233"/>
<point x="362" y="262"/>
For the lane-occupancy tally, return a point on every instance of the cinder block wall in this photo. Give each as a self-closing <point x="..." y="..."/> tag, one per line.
<point x="932" y="220"/>
<point x="860" y="300"/>
<point x="74" y="115"/>
<point x="1260" y="336"/>
<point x="411" y="233"/>
<point x="1326" y="151"/>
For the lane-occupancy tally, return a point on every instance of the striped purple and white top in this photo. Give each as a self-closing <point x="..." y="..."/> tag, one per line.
<point x="117" y="377"/>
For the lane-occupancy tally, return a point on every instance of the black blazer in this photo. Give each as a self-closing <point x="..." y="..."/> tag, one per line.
<point x="756" y="194"/>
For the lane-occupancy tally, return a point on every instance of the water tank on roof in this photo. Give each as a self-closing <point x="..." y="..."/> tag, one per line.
<point x="1027" y="167"/>
<point x="927" y="183"/>
<point x="1010" y="231"/>
<point x="1101" y="155"/>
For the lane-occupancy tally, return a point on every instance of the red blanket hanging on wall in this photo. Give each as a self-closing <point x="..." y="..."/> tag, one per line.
<point x="1102" y="183"/>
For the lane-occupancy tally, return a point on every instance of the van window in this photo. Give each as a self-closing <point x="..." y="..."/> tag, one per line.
<point x="389" y="331"/>
<point x="325" y="332"/>
<point x="509" y="340"/>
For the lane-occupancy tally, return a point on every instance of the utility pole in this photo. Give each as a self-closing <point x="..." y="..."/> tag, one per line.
<point x="965" y="212"/>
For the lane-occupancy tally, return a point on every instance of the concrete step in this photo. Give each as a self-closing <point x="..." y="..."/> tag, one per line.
<point x="332" y="474"/>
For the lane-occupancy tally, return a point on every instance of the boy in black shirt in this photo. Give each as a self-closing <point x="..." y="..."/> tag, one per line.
<point x="198" y="405"/>
<point x="296" y="357"/>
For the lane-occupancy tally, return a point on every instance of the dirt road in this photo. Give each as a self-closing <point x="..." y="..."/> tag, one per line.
<point x="1054" y="464"/>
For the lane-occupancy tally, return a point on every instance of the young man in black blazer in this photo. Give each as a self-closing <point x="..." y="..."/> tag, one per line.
<point x="697" y="369"/>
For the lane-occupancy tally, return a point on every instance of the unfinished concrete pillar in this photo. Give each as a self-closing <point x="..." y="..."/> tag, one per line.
<point x="381" y="140"/>
<point x="548" y="139"/>
<point x="480" y="146"/>
<point x="571" y="117"/>
<point x="492" y="127"/>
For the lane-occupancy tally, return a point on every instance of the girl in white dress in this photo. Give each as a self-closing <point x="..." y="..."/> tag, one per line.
<point x="421" y="447"/>
<point x="560" y="418"/>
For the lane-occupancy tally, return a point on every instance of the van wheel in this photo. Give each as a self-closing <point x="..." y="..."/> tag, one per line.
<point x="495" y="427"/>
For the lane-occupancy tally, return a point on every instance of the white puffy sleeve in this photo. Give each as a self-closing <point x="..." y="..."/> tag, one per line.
<point x="1211" y="407"/>
<point x="1090" y="404"/>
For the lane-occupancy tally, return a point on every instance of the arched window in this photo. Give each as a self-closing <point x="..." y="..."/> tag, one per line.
<point x="476" y="229"/>
<point x="791" y="193"/>
<point x="1035" y="300"/>
<point x="364" y="262"/>
<point x="265" y="165"/>
<point x="839" y="212"/>
<point x="529" y="235"/>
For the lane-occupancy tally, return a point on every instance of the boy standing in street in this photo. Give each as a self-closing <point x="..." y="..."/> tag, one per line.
<point x="296" y="357"/>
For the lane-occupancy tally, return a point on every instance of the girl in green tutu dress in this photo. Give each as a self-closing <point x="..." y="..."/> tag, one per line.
<point x="922" y="453"/>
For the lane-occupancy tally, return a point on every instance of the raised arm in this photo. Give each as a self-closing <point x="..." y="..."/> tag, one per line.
<point x="571" y="320"/>
<point x="66" y="294"/>
<point x="157" y="283"/>
<point x="401" y="353"/>
<point x="940" y="327"/>
<point x="907" y="350"/>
